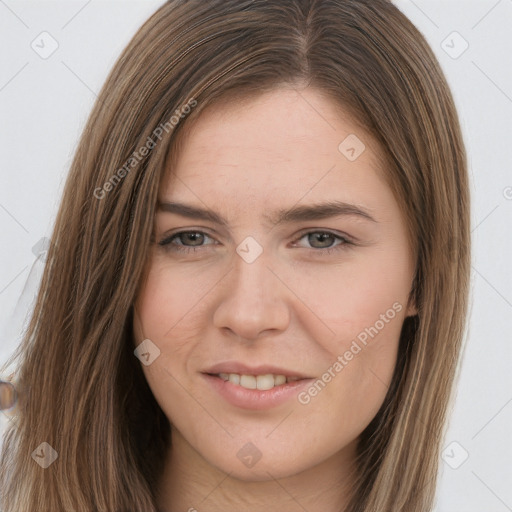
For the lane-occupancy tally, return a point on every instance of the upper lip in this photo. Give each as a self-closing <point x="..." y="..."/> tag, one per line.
<point x="243" y="369"/>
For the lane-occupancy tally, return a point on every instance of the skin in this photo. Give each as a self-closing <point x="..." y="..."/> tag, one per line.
<point x="295" y="306"/>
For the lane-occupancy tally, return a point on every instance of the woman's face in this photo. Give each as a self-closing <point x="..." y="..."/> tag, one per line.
<point x="281" y="261"/>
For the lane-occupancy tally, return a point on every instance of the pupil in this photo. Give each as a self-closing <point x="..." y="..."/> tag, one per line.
<point x="321" y="237"/>
<point x="195" y="237"/>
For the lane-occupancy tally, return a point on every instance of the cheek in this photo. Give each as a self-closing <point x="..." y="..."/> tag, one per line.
<point x="343" y="300"/>
<point x="354" y="384"/>
<point x="352" y="295"/>
<point x="171" y="303"/>
<point x="363" y="303"/>
<point x="167" y="312"/>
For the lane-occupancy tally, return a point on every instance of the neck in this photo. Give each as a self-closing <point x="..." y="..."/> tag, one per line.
<point x="190" y="483"/>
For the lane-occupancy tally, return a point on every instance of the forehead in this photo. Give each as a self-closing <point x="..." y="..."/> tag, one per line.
<point x="284" y="144"/>
<point x="273" y="122"/>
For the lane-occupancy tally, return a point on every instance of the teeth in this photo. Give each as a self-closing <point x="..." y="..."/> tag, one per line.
<point x="248" y="381"/>
<point x="264" y="382"/>
<point x="260" y="382"/>
<point x="279" y="379"/>
<point x="234" y="378"/>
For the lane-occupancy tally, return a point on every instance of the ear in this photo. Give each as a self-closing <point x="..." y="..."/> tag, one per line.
<point x="137" y="326"/>
<point x="412" y="309"/>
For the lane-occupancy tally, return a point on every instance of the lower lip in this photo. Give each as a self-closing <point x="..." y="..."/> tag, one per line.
<point x="254" y="398"/>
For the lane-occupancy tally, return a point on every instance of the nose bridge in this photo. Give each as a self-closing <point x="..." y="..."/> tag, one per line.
<point x="252" y="300"/>
<point x="251" y="278"/>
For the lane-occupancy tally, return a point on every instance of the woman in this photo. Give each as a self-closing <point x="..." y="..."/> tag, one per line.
<point x="256" y="292"/>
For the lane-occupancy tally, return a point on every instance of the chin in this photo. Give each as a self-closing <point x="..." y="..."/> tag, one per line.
<point x="250" y="464"/>
<point x="260" y="472"/>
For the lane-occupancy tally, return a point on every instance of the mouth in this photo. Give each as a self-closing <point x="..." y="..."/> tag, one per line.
<point x="262" y="382"/>
<point x="255" y="389"/>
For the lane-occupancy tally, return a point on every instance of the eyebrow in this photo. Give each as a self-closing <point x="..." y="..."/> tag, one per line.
<point x="295" y="214"/>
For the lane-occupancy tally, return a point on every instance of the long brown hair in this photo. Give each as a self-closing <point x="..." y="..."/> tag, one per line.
<point x="82" y="390"/>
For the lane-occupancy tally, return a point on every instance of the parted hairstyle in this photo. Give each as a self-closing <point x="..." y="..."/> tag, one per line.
<point x="82" y="390"/>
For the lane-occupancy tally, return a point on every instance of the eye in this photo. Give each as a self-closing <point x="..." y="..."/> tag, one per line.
<point x="320" y="242"/>
<point x="185" y="241"/>
<point x="324" y="242"/>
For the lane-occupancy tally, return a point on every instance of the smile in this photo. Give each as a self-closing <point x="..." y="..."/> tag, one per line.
<point x="257" y="392"/>
<point x="260" y="382"/>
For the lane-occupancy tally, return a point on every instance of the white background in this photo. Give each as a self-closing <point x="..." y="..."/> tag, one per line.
<point x="43" y="107"/>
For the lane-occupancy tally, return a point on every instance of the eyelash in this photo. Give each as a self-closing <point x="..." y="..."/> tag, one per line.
<point x="168" y="246"/>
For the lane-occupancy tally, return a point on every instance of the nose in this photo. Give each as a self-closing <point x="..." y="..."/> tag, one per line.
<point x="252" y="301"/>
